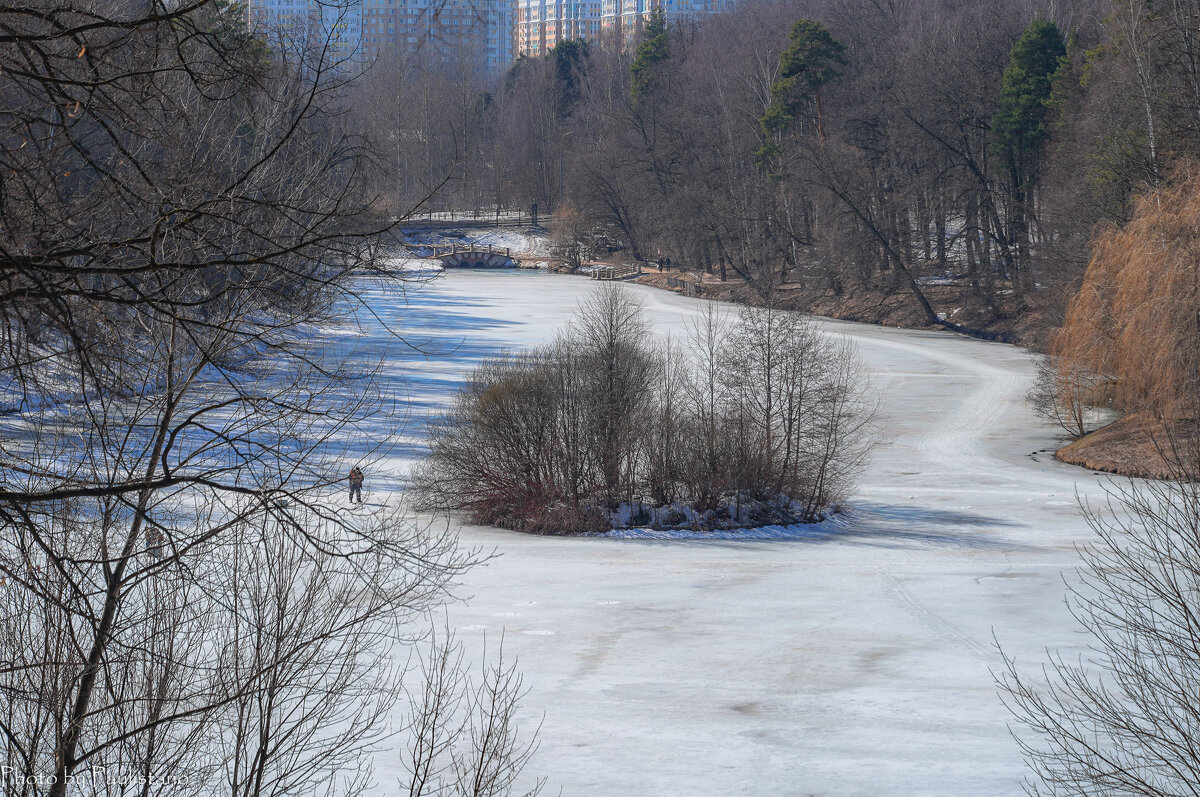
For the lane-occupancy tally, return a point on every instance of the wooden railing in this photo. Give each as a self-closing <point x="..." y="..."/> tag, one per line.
<point x="454" y="249"/>
<point x="616" y="272"/>
<point x="476" y="218"/>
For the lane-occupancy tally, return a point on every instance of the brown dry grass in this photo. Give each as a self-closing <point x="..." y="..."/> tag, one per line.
<point x="1133" y="446"/>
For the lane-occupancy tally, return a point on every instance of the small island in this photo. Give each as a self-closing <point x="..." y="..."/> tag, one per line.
<point x="765" y="420"/>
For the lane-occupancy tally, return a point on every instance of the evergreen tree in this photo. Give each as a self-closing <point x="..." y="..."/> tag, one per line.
<point x="812" y="59"/>
<point x="570" y="58"/>
<point x="654" y="49"/>
<point x="1021" y="126"/>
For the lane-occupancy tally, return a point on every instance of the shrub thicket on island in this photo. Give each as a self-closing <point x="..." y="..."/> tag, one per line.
<point x="764" y="420"/>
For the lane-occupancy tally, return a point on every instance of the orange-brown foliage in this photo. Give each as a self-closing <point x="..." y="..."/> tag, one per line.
<point x="1136" y="320"/>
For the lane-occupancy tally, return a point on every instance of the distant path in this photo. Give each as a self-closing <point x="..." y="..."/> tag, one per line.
<point x="851" y="661"/>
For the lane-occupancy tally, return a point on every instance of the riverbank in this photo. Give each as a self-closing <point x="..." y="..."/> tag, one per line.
<point x="1138" y="446"/>
<point x="1026" y="322"/>
<point x="1135" y="446"/>
<point x="1026" y="325"/>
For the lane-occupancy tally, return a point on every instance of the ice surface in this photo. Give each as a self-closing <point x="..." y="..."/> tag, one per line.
<point x="849" y="658"/>
<point x="416" y="265"/>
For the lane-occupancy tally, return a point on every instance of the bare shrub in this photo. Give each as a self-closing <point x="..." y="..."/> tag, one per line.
<point x="514" y="446"/>
<point x="570" y="236"/>
<point x="537" y="441"/>
<point x="1065" y="394"/>
<point x="767" y="421"/>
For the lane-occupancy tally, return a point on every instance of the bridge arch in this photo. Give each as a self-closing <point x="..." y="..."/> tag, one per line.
<point x="475" y="257"/>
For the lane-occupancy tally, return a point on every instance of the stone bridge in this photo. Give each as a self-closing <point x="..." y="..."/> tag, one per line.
<point x="475" y="256"/>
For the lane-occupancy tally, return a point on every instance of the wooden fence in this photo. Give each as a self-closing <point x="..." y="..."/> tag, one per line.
<point x="687" y="287"/>
<point x="616" y="272"/>
<point x="445" y="250"/>
<point x="476" y="218"/>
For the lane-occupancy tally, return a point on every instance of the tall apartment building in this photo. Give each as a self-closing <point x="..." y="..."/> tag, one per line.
<point x="300" y="22"/>
<point x="541" y="24"/>
<point x="446" y="26"/>
<point x="628" y="15"/>
<point x="362" y="30"/>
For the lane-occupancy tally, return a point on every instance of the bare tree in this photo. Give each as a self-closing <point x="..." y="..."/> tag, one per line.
<point x="803" y="401"/>
<point x="465" y="741"/>
<point x="183" y="607"/>
<point x="768" y="421"/>
<point x="665" y="433"/>
<point x="570" y="235"/>
<point x="1123" y="718"/>
<point x="618" y="370"/>
<point x="708" y="442"/>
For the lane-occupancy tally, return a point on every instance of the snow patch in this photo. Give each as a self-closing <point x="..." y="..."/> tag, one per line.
<point x="528" y="241"/>
<point x="414" y="266"/>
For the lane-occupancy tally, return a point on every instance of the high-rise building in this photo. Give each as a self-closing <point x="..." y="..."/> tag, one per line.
<point x="628" y="15"/>
<point x="362" y="30"/>
<point x="541" y="24"/>
<point x="295" y="24"/>
<point x="445" y="27"/>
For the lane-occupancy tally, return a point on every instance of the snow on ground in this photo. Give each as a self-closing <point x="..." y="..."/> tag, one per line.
<point x="527" y="240"/>
<point x="850" y="658"/>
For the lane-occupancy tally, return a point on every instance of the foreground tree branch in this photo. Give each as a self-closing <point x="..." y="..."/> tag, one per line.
<point x="185" y="607"/>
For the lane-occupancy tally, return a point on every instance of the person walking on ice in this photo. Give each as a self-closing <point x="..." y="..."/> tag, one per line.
<point x="356" y="483"/>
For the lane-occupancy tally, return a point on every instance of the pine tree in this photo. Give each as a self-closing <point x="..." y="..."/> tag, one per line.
<point x="1021" y="126"/>
<point x="570" y="62"/>
<point x="813" y="59"/>
<point x="654" y="49"/>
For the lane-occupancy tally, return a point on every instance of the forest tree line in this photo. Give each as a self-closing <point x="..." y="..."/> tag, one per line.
<point x="959" y="154"/>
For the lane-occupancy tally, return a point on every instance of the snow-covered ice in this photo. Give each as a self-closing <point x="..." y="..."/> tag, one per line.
<point x="416" y="265"/>
<point x="854" y="657"/>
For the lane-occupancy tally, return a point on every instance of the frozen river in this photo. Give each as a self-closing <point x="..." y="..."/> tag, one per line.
<point x="853" y="660"/>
